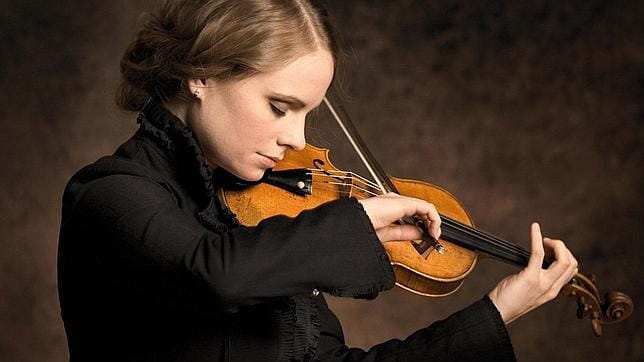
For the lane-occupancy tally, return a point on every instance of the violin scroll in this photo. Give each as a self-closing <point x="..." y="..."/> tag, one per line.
<point x="615" y="307"/>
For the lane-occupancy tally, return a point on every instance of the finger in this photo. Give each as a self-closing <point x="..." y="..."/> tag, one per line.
<point x="433" y="228"/>
<point x="570" y="271"/>
<point x="563" y="263"/>
<point x="562" y="280"/>
<point x="574" y="266"/>
<point x="419" y="207"/>
<point x="537" y="252"/>
<point x="549" y="254"/>
<point x="398" y="232"/>
<point x="576" y="271"/>
<point x="434" y="222"/>
<point x="425" y="211"/>
<point x="391" y="195"/>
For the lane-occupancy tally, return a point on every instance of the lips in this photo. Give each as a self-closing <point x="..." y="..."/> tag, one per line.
<point x="269" y="161"/>
<point x="275" y="159"/>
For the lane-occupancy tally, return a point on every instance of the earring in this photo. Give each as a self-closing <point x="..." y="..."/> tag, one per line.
<point x="196" y="93"/>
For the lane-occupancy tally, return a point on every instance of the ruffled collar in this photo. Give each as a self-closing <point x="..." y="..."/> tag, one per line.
<point x="175" y="138"/>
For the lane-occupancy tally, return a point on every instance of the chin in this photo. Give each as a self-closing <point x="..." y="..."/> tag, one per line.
<point x="244" y="171"/>
<point x="251" y="175"/>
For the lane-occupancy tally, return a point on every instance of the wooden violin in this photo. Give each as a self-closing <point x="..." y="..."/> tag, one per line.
<point x="428" y="267"/>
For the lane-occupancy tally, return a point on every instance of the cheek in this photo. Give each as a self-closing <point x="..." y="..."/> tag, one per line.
<point x="241" y="125"/>
<point x="254" y="126"/>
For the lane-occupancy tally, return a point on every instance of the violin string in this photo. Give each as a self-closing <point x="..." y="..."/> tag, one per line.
<point x="491" y="238"/>
<point x="335" y="189"/>
<point x="352" y="175"/>
<point x="353" y="186"/>
<point x="365" y="188"/>
<point x="349" y="185"/>
<point x="364" y="180"/>
<point x="475" y="235"/>
<point x="479" y="234"/>
<point x="334" y="177"/>
<point x="370" y="189"/>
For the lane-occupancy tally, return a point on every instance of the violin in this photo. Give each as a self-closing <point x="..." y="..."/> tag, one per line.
<point x="428" y="267"/>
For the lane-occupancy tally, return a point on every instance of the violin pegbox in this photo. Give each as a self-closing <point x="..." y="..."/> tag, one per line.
<point x="615" y="307"/>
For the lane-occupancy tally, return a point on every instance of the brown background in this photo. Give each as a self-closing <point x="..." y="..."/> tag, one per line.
<point x="531" y="111"/>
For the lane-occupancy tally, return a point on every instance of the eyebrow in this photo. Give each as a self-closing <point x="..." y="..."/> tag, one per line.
<point x="293" y="101"/>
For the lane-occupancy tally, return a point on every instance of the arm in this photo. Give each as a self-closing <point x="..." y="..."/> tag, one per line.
<point x="476" y="333"/>
<point x="515" y="295"/>
<point x="140" y="238"/>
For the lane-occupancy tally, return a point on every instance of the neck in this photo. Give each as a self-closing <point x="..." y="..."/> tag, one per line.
<point x="178" y="108"/>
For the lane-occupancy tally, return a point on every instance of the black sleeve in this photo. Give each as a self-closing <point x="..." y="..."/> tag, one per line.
<point x="134" y="231"/>
<point x="476" y="333"/>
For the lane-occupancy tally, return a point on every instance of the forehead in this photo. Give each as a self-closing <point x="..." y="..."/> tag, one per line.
<point x="307" y="78"/>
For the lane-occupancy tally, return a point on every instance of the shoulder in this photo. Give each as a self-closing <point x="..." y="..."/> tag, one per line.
<point x="115" y="180"/>
<point x="115" y="165"/>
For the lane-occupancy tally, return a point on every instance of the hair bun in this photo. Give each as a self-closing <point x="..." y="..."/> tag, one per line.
<point x="220" y="39"/>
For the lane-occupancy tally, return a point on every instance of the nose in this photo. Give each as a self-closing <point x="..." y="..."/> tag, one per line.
<point x="293" y="134"/>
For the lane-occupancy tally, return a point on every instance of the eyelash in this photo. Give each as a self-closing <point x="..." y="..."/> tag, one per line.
<point x="278" y="112"/>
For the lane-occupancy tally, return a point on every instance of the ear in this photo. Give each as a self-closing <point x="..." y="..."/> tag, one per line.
<point x="197" y="87"/>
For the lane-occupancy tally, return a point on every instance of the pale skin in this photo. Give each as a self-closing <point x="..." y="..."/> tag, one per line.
<point x="246" y="126"/>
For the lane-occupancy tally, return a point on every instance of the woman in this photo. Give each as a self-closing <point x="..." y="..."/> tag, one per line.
<point x="152" y="267"/>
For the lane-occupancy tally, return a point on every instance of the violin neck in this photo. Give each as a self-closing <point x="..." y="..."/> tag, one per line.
<point x="481" y="241"/>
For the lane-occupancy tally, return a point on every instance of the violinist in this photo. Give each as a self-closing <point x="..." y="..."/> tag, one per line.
<point x="152" y="266"/>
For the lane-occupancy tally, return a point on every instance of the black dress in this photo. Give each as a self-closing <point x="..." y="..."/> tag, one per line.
<point x="152" y="268"/>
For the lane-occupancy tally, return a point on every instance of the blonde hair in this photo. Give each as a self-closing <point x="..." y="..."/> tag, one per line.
<point x="221" y="39"/>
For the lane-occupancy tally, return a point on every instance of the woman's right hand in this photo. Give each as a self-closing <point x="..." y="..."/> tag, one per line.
<point x="385" y="210"/>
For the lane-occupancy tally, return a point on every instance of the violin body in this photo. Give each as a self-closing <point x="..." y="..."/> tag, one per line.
<point x="432" y="274"/>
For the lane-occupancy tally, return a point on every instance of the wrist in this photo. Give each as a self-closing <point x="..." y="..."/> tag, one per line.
<point x="494" y="298"/>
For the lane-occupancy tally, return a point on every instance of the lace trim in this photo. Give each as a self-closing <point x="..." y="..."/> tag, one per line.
<point x="299" y="329"/>
<point x="370" y="292"/>
<point x="170" y="134"/>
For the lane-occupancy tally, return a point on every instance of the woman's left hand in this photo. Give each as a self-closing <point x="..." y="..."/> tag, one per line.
<point x="533" y="286"/>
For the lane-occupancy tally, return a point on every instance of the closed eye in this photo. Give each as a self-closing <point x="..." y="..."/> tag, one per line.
<point x="278" y="112"/>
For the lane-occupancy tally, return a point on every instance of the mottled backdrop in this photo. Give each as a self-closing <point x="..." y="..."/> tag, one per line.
<point x="524" y="110"/>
